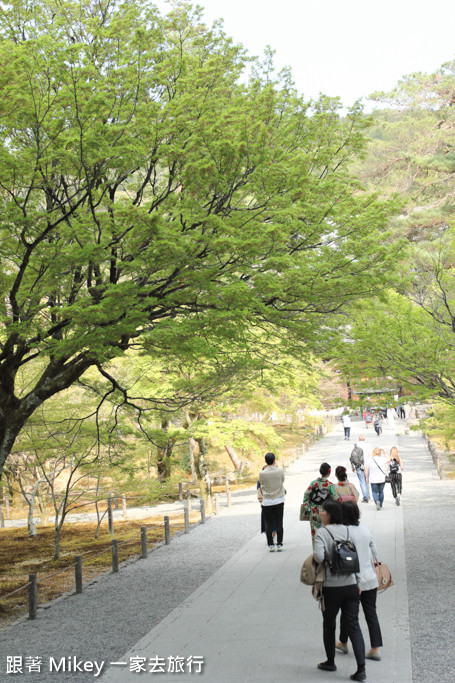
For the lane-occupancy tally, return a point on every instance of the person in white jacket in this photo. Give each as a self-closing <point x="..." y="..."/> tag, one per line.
<point x="367" y="580"/>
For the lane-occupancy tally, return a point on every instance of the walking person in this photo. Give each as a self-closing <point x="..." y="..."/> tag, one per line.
<point x="395" y="465"/>
<point x="347" y="425"/>
<point x="357" y="460"/>
<point x="259" y="495"/>
<point x="340" y="591"/>
<point x="318" y="491"/>
<point x="375" y="474"/>
<point x="344" y="488"/>
<point x="271" y="480"/>
<point x="377" y="423"/>
<point x="367" y="580"/>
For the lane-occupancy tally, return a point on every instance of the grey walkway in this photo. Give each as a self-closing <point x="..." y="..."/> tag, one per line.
<point x="253" y="621"/>
<point x="218" y="594"/>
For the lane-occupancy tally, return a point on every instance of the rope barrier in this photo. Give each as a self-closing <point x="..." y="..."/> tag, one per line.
<point x="15" y="591"/>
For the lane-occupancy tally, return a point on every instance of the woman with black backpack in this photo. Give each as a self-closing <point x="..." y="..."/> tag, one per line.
<point x="340" y="589"/>
<point x="395" y="465"/>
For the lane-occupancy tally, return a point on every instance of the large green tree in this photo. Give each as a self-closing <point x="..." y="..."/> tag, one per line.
<point x="413" y="150"/>
<point x="148" y="185"/>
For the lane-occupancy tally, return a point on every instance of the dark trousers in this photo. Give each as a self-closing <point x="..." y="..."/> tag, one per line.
<point x="273" y="520"/>
<point x="368" y="600"/>
<point x="347" y="432"/>
<point x="396" y="483"/>
<point x="345" y="598"/>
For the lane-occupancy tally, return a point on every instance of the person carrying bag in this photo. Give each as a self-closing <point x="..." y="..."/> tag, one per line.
<point x="340" y="589"/>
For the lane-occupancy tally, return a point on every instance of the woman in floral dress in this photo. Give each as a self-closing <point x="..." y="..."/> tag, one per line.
<point x="318" y="491"/>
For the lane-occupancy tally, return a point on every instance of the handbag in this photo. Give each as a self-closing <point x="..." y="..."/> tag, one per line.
<point x="312" y="574"/>
<point x="305" y="512"/>
<point x="384" y="576"/>
<point x="348" y="496"/>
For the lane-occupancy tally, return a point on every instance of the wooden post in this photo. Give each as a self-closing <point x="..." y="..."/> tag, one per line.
<point x="78" y="572"/>
<point x="32" y="596"/>
<point x="188" y="500"/>
<point x="216" y="504"/>
<point x="115" y="496"/>
<point x="2" y="516"/>
<point x="167" y="531"/>
<point x="202" y="506"/>
<point x="143" y="542"/>
<point x="180" y="490"/>
<point x="124" y="506"/>
<point x="110" y="518"/>
<point x="6" y="497"/>
<point x="228" y="493"/>
<point x="187" y="520"/>
<point x="114" y="556"/>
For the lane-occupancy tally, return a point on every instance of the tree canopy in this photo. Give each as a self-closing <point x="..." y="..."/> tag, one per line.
<point x="151" y="191"/>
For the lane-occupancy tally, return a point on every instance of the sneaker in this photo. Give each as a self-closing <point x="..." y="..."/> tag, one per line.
<point x="397" y="500"/>
<point x="375" y="656"/>
<point x="326" y="666"/>
<point x="359" y="676"/>
<point x="378" y="505"/>
<point x="272" y="548"/>
<point x="279" y="547"/>
<point x="366" y="500"/>
<point x="342" y="647"/>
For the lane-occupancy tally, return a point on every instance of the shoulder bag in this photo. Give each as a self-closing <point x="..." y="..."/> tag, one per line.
<point x="388" y="478"/>
<point x="384" y="576"/>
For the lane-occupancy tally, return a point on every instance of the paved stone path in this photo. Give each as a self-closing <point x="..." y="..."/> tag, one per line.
<point x="249" y="618"/>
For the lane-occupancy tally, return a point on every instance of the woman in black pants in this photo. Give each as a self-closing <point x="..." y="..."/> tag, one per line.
<point x="395" y="465"/>
<point x="368" y="583"/>
<point x="340" y="592"/>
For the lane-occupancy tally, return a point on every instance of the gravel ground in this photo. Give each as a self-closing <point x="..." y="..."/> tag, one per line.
<point x="430" y="570"/>
<point x="429" y="523"/>
<point x="115" y="612"/>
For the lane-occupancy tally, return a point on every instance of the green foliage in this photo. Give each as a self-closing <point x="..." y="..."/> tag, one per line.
<point x="149" y="189"/>
<point x="412" y="150"/>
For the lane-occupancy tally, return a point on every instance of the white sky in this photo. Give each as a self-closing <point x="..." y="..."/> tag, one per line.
<point x="348" y="48"/>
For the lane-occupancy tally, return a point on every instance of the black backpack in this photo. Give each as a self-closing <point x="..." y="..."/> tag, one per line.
<point x="357" y="456"/>
<point x="393" y="466"/>
<point x="343" y="556"/>
<point x="318" y="496"/>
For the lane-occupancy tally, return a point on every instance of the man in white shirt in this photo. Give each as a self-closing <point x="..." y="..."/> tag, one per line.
<point x="271" y="480"/>
<point x="347" y="425"/>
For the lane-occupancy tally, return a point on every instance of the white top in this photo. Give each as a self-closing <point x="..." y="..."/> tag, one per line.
<point x="272" y="501"/>
<point x="367" y="449"/>
<point x="367" y="552"/>
<point x="346" y="420"/>
<point x="378" y="468"/>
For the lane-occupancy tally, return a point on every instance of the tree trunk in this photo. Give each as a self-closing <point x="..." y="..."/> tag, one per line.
<point x="42" y="504"/>
<point x="235" y="461"/>
<point x="163" y="461"/>
<point x="192" y="446"/>
<point x="31" y="526"/>
<point x="57" y="540"/>
<point x="202" y="471"/>
<point x="14" y="412"/>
